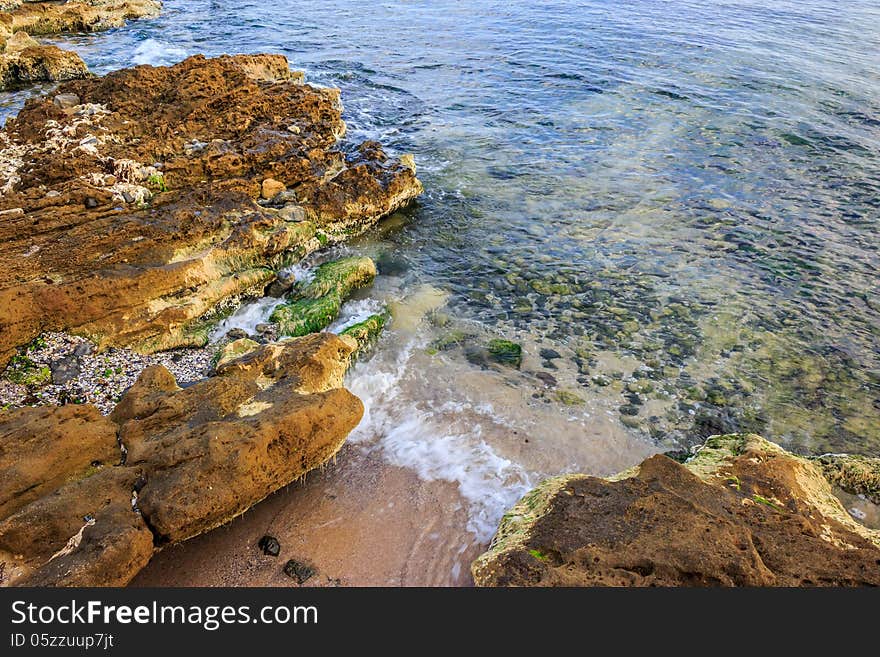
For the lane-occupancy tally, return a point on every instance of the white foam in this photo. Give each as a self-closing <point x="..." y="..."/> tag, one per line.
<point x="302" y="274"/>
<point x="157" y="53"/>
<point x="355" y="312"/>
<point x="247" y="317"/>
<point x="442" y="442"/>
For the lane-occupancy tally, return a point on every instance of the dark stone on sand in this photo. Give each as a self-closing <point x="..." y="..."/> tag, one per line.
<point x="301" y="572"/>
<point x="270" y="546"/>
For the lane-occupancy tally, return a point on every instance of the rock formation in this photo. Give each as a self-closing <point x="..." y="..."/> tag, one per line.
<point x="85" y="500"/>
<point x="73" y="15"/>
<point x="742" y="512"/>
<point x="23" y="61"/>
<point x="135" y="210"/>
<point x="131" y="207"/>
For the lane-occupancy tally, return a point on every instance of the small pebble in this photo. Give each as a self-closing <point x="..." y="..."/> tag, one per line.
<point x="270" y="546"/>
<point x="301" y="572"/>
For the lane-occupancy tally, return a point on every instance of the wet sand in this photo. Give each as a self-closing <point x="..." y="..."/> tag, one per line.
<point x="359" y="522"/>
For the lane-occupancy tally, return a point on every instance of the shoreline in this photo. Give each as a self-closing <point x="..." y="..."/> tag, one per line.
<point x="240" y="234"/>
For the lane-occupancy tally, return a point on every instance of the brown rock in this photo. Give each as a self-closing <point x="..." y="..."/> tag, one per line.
<point x="36" y="63"/>
<point x="195" y="458"/>
<point x="42" y="448"/>
<point x="159" y="249"/>
<point x="272" y="188"/>
<point x="77" y="16"/>
<point x="743" y="512"/>
<point x="86" y="533"/>
<point x="211" y="451"/>
<point x="19" y="41"/>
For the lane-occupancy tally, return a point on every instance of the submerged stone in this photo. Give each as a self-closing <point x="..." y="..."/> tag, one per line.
<point x="315" y="306"/>
<point x="505" y="352"/>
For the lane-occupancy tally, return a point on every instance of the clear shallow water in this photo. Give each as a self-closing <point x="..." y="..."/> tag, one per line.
<point x="680" y="198"/>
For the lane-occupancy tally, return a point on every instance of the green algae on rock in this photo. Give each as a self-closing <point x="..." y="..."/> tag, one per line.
<point x="741" y="512"/>
<point x="857" y="475"/>
<point x="505" y="352"/>
<point x="366" y="333"/>
<point x="315" y="305"/>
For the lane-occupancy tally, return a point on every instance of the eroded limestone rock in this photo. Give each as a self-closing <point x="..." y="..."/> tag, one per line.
<point x="742" y="512"/>
<point x="195" y="457"/>
<point x="133" y="216"/>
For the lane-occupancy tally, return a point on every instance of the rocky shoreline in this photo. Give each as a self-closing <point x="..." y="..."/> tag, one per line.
<point x="23" y="60"/>
<point x="741" y="512"/>
<point x="140" y="209"/>
<point x="137" y="210"/>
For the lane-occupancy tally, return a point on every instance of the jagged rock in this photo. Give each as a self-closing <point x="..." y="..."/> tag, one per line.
<point x="742" y="512"/>
<point x="314" y="306"/>
<point x="164" y="245"/>
<point x="194" y="459"/>
<point x="76" y="16"/>
<point x="36" y="63"/>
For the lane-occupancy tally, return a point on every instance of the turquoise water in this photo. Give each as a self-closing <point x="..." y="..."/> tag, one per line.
<point x="680" y="198"/>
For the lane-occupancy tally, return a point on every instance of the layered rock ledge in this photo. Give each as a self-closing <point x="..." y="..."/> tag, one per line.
<point x="136" y="207"/>
<point x="74" y="15"/>
<point x="25" y="61"/>
<point x="85" y="500"/>
<point x="135" y="210"/>
<point x="742" y="512"/>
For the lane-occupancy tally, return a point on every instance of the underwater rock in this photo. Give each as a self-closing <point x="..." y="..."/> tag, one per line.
<point x="505" y="352"/>
<point x="173" y="159"/>
<point x="742" y="512"/>
<point x="314" y="306"/>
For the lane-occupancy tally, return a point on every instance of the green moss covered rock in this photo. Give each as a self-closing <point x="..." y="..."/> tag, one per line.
<point x="505" y="352"/>
<point x="315" y="305"/>
<point x="366" y="333"/>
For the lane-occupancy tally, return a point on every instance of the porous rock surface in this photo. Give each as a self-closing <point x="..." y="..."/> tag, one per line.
<point x="86" y="500"/>
<point x="742" y="512"/>
<point x="131" y="209"/>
